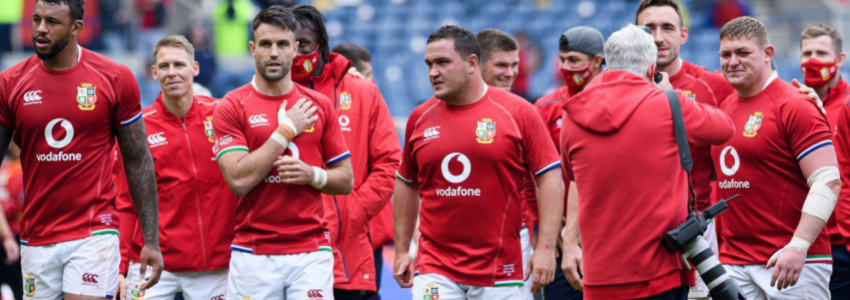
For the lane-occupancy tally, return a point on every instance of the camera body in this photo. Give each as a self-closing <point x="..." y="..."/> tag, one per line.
<point x="677" y="239"/>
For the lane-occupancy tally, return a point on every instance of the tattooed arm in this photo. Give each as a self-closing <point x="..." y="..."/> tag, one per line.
<point x="141" y="179"/>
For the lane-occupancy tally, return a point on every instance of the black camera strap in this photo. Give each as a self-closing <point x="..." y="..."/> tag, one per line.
<point x="682" y="143"/>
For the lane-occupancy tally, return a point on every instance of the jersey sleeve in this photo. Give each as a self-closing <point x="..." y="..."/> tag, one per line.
<point x="333" y="144"/>
<point x="408" y="168"/>
<point x="227" y="129"/>
<point x="805" y="127"/>
<point x="704" y="124"/>
<point x="128" y="106"/>
<point x="719" y="86"/>
<point x="540" y="153"/>
<point x="842" y="153"/>
<point x="7" y="120"/>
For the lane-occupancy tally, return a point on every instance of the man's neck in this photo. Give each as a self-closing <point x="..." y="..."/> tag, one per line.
<point x="758" y="86"/>
<point x="178" y="106"/>
<point x="65" y="59"/>
<point x="476" y="91"/>
<point x="673" y="68"/>
<point x="825" y="88"/>
<point x="272" y="88"/>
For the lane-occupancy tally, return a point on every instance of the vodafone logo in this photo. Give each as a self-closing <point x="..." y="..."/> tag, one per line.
<point x="258" y="120"/>
<point x="729" y="171"/>
<point x="157" y="139"/>
<point x="432" y="133"/>
<point x="731" y="183"/>
<point x="467" y="167"/>
<point x="69" y="133"/>
<point x="344" y="121"/>
<point x="32" y="97"/>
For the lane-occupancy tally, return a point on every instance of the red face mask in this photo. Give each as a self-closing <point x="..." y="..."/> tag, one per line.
<point x="817" y="73"/>
<point x="303" y="65"/>
<point x="576" y="80"/>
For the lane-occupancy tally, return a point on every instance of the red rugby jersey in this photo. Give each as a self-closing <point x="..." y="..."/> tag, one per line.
<point x="834" y="103"/>
<point x="775" y="129"/>
<point x="65" y="123"/>
<point x="470" y="176"/>
<point x="277" y="218"/>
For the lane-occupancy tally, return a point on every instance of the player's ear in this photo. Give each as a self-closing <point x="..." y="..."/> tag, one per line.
<point x="650" y="72"/>
<point x="839" y="61"/>
<point x="473" y="62"/>
<point x="769" y="51"/>
<point x="684" y="36"/>
<point x="153" y="72"/>
<point x="252" y="46"/>
<point x="196" y="69"/>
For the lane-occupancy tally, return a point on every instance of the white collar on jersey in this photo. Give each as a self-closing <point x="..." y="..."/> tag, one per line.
<point x="770" y="79"/>
<point x="79" y="54"/>
<point x="486" y="87"/>
<point x="254" y="84"/>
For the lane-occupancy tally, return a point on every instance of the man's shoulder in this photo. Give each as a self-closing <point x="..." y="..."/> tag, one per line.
<point x="103" y="64"/>
<point x="16" y="72"/>
<point x="318" y="98"/>
<point x="238" y="94"/>
<point x="206" y="104"/>
<point x="553" y="98"/>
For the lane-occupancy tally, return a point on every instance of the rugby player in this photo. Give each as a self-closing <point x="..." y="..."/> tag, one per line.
<point x="369" y="132"/>
<point x="66" y="106"/>
<point x="196" y="207"/>
<point x="782" y="140"/>
<point x="279" y="147"/>
<point x="470" y="182"/>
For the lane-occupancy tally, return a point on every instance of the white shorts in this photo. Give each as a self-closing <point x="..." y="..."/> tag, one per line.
<point x="87" y="266"/>
<point x="206" y="285"/>
<point x="433" y="286"/>
<point x="527" y="251"/>
<point x="700" y="291"/>
<point x="307" y="276"/>
<point x="754" y="281"/>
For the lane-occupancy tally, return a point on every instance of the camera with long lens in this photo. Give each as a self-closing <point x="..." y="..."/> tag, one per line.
<point x="688" y="236"/>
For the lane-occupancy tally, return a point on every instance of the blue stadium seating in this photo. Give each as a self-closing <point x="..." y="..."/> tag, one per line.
<point x="389" y="33"/>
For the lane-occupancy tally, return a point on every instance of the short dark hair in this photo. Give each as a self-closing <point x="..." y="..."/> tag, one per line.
<point x="76" y="7"/>
<point x="277" y="16"/>
<point x="818" y="30"/>
<point x="356" y="54"/>
<point x="310" y="17"/>
<point x="644" y="4"/>
<point x="493" y="40"/>
<point x="466" y="43"/>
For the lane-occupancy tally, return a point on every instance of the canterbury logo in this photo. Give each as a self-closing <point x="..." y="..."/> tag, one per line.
<point x="89" y="278"/>
<point x="32" y="96"/>
<point x="156" y="138"/>
<point x="432" y="132"/>
<point x="315" y="294"/>
<point x="219" y="297"/>
<point x="258" y="119"/>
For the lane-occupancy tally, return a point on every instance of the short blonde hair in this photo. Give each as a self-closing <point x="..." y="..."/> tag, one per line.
<point x="745" y="27"/>
<point x="175" y="41"/>
<point x="820" y="29"/>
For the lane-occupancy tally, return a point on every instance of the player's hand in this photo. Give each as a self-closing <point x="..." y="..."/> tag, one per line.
<point x="293" y="170"/>
<point x="810" y="92"/>
<point x="121" y="288"/>
<point x="401" y="270"/>
<point x="150" y="257"/>
<point x="571" y="264"/>
<point x="665" y="82"/>
<point x="13" y="250"/>
<point x="788" y="265"/>
<point x="542" y="265"/>
<point x="301" y="115"/>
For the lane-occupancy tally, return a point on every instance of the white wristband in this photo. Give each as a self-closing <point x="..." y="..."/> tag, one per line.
<point x="796" y="243"/>
<point x="280" y="139"/>
<point x="282" y="119"/>
<point x="320" y="178"/>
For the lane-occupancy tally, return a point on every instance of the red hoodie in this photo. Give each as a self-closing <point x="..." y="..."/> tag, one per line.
<point x="369" y="131"/>
<point x="196" y="208"/>
<point x="622" y="153"/>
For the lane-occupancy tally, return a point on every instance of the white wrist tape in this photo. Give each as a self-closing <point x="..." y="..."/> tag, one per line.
<point x="320" y="178"/>
<point x="280" y="139"/>
<point x="796" y="243"/>
<point x="282" y="119"/>
<point x="821" y="200"/>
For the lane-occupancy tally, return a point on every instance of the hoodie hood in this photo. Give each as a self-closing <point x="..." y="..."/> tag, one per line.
<point x="608" y="101"/>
